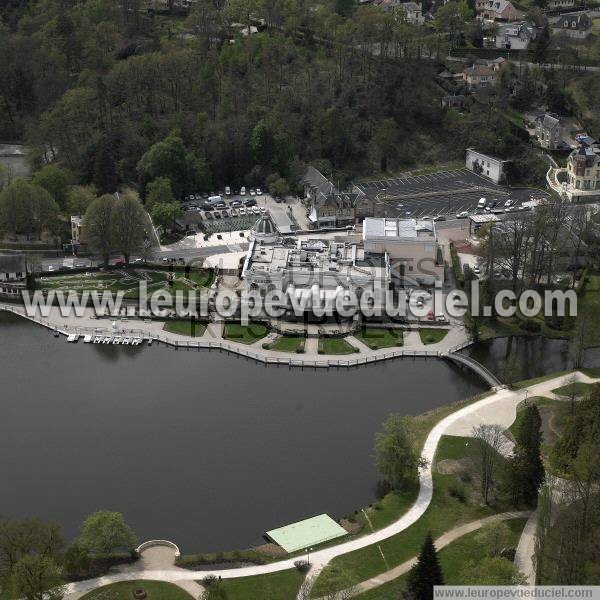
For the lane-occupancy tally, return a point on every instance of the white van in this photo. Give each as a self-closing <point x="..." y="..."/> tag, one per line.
<point x="481" y="203"/>
<point x="214" y="200"/>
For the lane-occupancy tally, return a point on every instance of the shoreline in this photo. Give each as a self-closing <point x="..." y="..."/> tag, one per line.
<point x="443" y="349"/>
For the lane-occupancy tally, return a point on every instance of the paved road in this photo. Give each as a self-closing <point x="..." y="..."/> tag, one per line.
<point x="499" y="408"/>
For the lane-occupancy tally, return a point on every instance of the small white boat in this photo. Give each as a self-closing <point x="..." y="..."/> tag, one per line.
<point x="150" y="342"/>
<point x="116" y="340"/>
<point x="87" y="339"/>
<point x="136" y="341"/>
<point x="98" y="339"/>
<point x="72" y="338"/>
<point x="107" y="340"/>
<point x="126" y="341"/>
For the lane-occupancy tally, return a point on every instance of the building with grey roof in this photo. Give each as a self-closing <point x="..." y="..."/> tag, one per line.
<point x="547" y="130"/>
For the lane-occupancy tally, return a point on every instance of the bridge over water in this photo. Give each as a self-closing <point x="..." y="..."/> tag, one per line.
<point x="470" y="363"/>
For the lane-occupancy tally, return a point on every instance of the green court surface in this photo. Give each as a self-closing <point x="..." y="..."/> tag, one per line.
<point x="307" y="533"/>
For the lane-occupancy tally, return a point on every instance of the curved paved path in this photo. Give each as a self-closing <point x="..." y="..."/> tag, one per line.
<point x="498" y="408"/>
<point x="441" y="542"/>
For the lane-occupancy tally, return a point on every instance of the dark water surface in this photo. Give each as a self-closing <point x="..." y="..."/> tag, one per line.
<point x="529" y="356"/>
<point x="203" y="448"/>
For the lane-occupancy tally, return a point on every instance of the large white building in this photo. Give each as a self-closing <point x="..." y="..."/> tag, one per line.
<point x="312" y="271"/>
<point x="411" y="245"/>
<point x="583" y="171"/>
<point x="489" y="166"/>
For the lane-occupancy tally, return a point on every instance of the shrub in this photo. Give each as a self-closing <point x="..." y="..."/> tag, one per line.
<point x="266" y="346"/>
<point x="465" y="477"/>
<point x="300" y="350"/>
<point x="530" y="325"/>
<point x="458" y="492"/>
<point x="383" y="488"/>
<point x="555" y="321"/>
<point x="209" y="580"/>
<point x="302" y="565"/>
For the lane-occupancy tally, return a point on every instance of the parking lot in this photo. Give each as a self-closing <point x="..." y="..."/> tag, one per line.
<point x="442" y="194"/>
<point x="234" y="214"/>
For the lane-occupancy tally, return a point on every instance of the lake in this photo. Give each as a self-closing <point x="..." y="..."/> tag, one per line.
<point x="206" y="449"/>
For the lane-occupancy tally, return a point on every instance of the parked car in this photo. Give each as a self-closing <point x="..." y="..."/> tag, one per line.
<point x="462" y="215"/>
<point x="236" y="204"/>
<point x="422" y="294"/>
<point x="227" y="190"/>
<point x="250" y="202"/>
<point x="217" y="214"/>
<point x="252" y="192"/>
<point x="208" y="216"/>
<point x="243" y="191"/>
<point x="509" y="202"/>
<point x="242" y="211"/>
<point x="258" y="192"/>
<point x="439" y="218"/>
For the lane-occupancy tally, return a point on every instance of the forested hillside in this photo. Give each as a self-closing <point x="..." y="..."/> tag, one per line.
<point x="95" y="83"/>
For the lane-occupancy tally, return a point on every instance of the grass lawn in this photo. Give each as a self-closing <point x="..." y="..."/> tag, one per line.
<point x="452" y="560"/>
<point x="288" y="343"/>
<point x="527" y="382"/>
<point x="376" y="338"/>
<point x="432" y="336"/>
<point x="245" y="334"/>
<point x="185" y="328"/>
<point x="282" y="585"/>
<point x="539" y="401"/>
<point x="332" y="345"/>
<point x="578" y="388"/>
<point x="446" y="511"/>
<point x="155" y="590"/>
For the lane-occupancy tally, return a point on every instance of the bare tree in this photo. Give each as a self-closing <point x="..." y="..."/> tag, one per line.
<point x="491" y="442"/>
<point x="128" y="226"/>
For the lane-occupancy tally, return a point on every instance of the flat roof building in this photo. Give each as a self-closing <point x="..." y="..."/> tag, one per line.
<point x="411" y="245"/>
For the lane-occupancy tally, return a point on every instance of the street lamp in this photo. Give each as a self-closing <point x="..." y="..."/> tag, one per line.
<point x="308" y="556"/>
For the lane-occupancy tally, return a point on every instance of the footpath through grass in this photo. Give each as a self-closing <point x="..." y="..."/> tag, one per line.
<point x="456" y="500"/>
<point x="283" y="585"/>
<point x="376" y="338"/>
<point x="452" y="560"/>
<point x="332" y="345"/>
<point x="245" y="334"/>
<point x="155" y="590"/>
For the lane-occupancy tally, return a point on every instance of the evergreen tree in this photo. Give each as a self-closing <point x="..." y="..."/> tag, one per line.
<point x="526" y="469"/>
<point x="105" y="172"/>
<point x="425" y="574"/>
